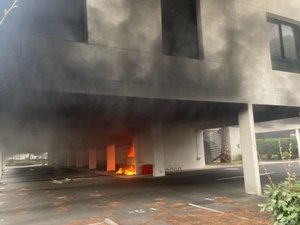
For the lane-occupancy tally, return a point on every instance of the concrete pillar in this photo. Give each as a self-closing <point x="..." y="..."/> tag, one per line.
<point x="92" y="159"/>
<point x="298" y="141"/>
<point x="138" y="157"/>
<point x="249" y="151"/>
<point x="79" y="159"/>
<point x="158" y="150"/>
<point x="200" y="147"/>
<point x="111" y="157"/>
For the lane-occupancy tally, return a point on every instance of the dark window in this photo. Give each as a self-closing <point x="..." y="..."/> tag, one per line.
<point x="284" y="45"/>
<point x="179" y="28"/>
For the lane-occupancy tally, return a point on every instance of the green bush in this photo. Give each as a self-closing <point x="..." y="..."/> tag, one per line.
<point x="274" y="157"/>
<point x="285" y="155"/>
<point x="284" y="202"/>
<point x="270" y="147"/>
<point x="264" y="157"/>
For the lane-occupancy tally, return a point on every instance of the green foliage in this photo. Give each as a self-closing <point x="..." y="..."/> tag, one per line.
<point x="269" y="146"/>
<point x="286" y="155"/>
<point x="264" y="157"/>
<point x="284" y="202"/>
<point x="274" y="157"/>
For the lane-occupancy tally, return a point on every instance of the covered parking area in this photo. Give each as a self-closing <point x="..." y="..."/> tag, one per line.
<point x="109" y="132"/>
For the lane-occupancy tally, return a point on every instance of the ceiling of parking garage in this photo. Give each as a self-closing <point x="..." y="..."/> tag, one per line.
<point x="52" y="121"/>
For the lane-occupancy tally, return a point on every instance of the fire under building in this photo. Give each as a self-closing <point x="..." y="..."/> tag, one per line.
<point x="130" y="86"/>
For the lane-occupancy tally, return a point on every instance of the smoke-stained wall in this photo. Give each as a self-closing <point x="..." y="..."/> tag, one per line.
<point x="133" y="25"/>
<point x="62" y="19"/>
<point x="125" y="54"/>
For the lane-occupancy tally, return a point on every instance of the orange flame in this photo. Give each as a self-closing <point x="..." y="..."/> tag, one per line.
<point x="131" y="153"/>
<point x="129" y="170"/>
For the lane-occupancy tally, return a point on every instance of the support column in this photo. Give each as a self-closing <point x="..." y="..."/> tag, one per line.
<point x="249" y="151"/>
<point x="92" y="159"/>
<point x="111" y="157"/>
<point x="158" y="150"/>
<point x="138" y="161"/>
<point x="298" y="141"/>
<point x="200" y="147"/>
<point x="79" y="159"/>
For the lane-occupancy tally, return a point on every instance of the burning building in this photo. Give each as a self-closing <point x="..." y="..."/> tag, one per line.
<point x="77" y="77"/>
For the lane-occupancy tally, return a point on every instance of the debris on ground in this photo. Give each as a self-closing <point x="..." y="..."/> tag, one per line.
<point x="60" y="181"/>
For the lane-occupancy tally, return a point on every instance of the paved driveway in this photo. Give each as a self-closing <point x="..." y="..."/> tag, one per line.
<point x="44" y="195"/>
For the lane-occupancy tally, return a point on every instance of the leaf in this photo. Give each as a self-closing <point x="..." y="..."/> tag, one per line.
<point x="279" y="216"/>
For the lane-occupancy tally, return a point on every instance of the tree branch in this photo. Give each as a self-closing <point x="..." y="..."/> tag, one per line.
<point x="7" y="11"/>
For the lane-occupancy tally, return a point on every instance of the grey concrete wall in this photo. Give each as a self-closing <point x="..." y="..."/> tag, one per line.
<point x="124" y="55"/>
<point x="133" y="24"/>
<point x="235" y="142"/>
<point x="143" y="149"/>
<point x="101" y="158"/>
<point x="182" y="148"/>
<point x="63" y="19"/>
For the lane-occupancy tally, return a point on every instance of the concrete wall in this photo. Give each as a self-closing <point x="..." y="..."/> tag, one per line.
<point x="235" y="142"/>
<point x="101" y="159"/>
<point x="183" y="148"/>
<point x="124" y="55"/>
<point x="133" y="24"/>
<point x="143" y="149"/>
<point x="62" y="19"/>
<point x="182" y="145"/>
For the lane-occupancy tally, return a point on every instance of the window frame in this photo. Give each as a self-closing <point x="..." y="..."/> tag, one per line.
<point x="296" y="31"/>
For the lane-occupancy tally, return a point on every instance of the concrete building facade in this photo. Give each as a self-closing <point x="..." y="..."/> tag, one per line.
<point x="78" y="75"/>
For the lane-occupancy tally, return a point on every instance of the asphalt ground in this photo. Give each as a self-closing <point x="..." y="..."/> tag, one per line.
<point x="51" y="196"/>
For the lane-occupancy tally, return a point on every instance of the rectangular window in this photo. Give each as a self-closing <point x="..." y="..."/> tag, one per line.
<point x="284" y="45"/>
<point x="180" y="29"/>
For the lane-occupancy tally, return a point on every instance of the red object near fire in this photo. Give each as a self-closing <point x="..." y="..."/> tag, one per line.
<point x="147" y="169"/>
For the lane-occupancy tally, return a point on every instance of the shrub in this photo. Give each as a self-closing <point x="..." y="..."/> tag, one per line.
<point x="283" y="200"/>
<point x="274" y="157"/>
<point x="286" y="155"/>
<point x="264" y="157"/>
<point x="269" y="146"/>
